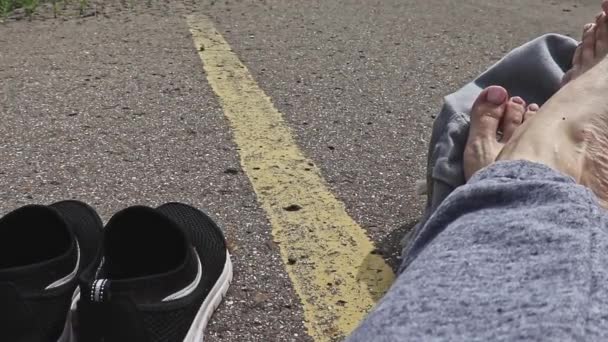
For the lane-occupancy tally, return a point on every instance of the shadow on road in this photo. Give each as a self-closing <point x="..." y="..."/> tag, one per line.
<point x="391" y="246"/>
<point x="389" y="249"/>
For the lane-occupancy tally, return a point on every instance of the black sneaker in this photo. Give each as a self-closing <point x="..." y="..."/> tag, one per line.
<point x="43" y="249"/>
<point x="163" y="274"/>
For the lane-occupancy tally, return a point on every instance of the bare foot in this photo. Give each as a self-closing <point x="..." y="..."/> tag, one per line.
<point x="593" y="47"/>
<point x="494" y="119"/>
<point x="585" y="48"/>
<point x="570" y="131"/>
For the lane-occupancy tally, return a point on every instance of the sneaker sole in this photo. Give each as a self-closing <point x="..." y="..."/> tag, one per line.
<point x="213" y="300"/>
<point x="68" y="333"/>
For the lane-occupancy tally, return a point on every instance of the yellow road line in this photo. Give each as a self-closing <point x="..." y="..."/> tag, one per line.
<point x="327" y="254"/>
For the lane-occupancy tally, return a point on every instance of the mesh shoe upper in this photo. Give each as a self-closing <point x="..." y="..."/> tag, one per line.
<point x="160" y="266"/>
<point x="43" y="249"/>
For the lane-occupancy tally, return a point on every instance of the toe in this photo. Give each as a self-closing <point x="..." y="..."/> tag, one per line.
<point x="482" y="145"/>
<point x="601" y="37"/>
<point x="487" y="112"/>
<point x="578" y="53"/>
<point x="530" y="111"/>
<point x="514" y="116"/>
<point x="588" y="46"/>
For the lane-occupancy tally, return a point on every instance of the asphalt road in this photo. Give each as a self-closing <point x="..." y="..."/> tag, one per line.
<point x="115" y="110"/>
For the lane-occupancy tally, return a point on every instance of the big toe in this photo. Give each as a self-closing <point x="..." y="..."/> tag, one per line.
<point x="513" y="117"/>
<point x="601" y="36"/>
<point x="487" y="112"/>
<point x="587" y="48"/>
<point x="482" y="146"/>
<point x="577" y="59"/>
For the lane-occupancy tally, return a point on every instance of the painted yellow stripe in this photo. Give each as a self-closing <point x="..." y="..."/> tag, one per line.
<point x="327" y="254"/>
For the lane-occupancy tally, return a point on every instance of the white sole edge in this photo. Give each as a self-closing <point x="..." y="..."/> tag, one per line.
<point x="196" y="332"/>
<point x="68" y="333"/>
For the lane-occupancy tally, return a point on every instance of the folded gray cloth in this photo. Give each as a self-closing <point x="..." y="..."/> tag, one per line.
<point x="532" y="71"/>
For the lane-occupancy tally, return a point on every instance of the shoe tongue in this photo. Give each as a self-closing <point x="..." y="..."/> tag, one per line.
<point x="44" y="253"/>
<point x="148" y="257"/>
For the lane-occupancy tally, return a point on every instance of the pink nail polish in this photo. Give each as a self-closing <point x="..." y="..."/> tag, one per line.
<point x="518" y="100"/>
<point x="496" y="96"/>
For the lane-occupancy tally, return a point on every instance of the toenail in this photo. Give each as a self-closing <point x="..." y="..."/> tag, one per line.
<point x="518" y="100"/>
<point x="533" y="107"/>
<point x="496" y="96"/>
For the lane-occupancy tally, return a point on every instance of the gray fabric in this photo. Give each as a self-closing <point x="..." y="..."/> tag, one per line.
<point x="533" y="71"/>
<point x="519" y="253"/>
<point x="515" y="254"/>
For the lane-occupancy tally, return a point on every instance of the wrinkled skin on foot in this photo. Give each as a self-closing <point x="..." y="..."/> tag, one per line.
<point x="570" y="132"/>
